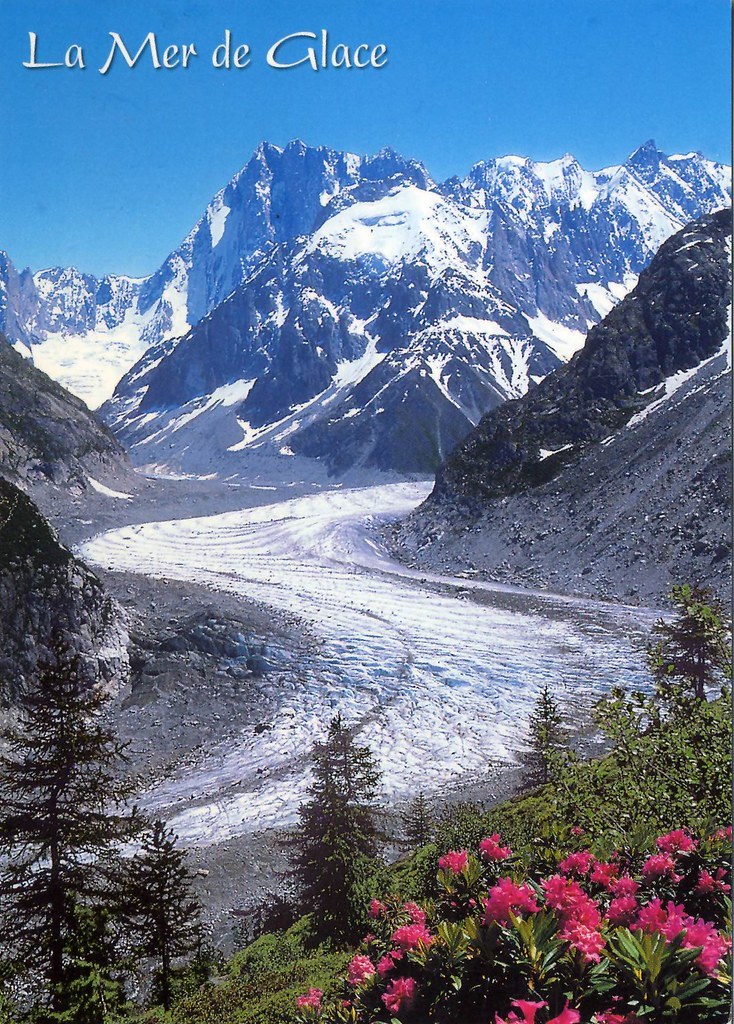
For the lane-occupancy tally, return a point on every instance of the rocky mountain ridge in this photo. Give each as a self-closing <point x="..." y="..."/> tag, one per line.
<point x="613" y="476"/>
<point x="379" y="339"/>
<point x="349" y="309"/>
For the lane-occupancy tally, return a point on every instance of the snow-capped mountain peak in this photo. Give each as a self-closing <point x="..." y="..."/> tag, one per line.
<point x="374" y="314"/>
<point x="408" y="223"/>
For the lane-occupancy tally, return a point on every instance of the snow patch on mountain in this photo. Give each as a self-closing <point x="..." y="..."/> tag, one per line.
<point x="407" y="224"/>
<point x="563" y="341"/>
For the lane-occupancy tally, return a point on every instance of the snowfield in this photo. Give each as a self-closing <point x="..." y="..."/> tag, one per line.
<point x="437" y="674"/>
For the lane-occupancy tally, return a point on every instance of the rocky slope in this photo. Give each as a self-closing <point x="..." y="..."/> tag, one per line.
<point x="48" y="435"/>
<point x="613" y="476"/>
<point x="45" y="591"/>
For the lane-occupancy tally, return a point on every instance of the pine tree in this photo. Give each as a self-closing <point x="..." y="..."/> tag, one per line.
<point x="93" y="985"/>
<point x="335" y="844"/>
<point x="62" y="817"/>
<point x="694" y="652"/>
<point x="547" y="737"/>
<point x="166" y="910"/>
<point x="417" y="822"/>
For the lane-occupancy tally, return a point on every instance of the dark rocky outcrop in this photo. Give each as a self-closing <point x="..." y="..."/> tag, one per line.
<point x="46" y="434"/>
<point x="46" y="592"/>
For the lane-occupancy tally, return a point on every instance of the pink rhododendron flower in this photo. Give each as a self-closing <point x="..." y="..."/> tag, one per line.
<point x="566" y="1016"/>
<point x="410" y="936"/>
<point x="377" y="909"/>
<point x="673" y="920"/>
<point x="625" y="886"/>
<point x="587" y="940"/>
<point x="570" y="901"/>
<point x="604" y="874"/>
<point x="454" y="861"/>
<point x="312" y="999"/>
<point x="400" y="994"/>
<point x="610" y="1017"/>
<point x="722" y="833"/>
<point x="622" y="910"/>
<point x="416" y="914"/>
<point x="507" y="896"/>
<point x="651" y="918"/>
<point x="714" y="946"/>
<point x="659" y="865"/>
<point x="360" y="968"/>
<point x="388" y="961"/>
<point x="577" y="863"/>
<point x="561" y="893"/>
<point x="384" y="965"/>
<point x="576" y="830"/>
<point x="708" y="883"/>
<point x="677" y="841"/>
<point x="490" y="848"/>
<point x="527" y="1008"/>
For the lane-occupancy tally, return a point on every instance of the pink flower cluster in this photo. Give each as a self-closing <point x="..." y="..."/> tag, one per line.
<point x="604" y="874"/>
<point x="708" y="883"/>
<point x="659" y="865"/>
<point x="677" y="841"/>
<point x="672" y="921"/>
<point x="377" y="909"/>
<point x="577" y="864"/>
<point x="508" y="896"/>
<point x="491" y="850"/>
<point x="578" y="914"/>
<point x="387" y="963"/>
<point x="400" y="994"/>
<point x="416" y="914"/>
<point x="455" y="861"/>
<point x="360" y="969"/>
<point x="311" y="1000"/>
<point x="529" y="1008"/>
<point x="410" y="936"/>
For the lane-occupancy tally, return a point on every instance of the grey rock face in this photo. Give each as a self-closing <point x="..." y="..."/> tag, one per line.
<point x="46" y="434"/>
<point x="45" y="591"/>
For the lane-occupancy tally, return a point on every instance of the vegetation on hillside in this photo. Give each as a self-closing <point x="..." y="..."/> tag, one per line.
<point x="600" y="896"/>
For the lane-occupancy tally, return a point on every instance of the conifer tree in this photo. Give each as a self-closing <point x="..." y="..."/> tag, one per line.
<point x="547" y="737"/>
<point x="417" y="822"/>
<point x="62" y="817"/>
<point x="693" y="653"/>
<point x="167" y="912"/>
<point x="93" y="985"/>
<point x="335" y="844"/>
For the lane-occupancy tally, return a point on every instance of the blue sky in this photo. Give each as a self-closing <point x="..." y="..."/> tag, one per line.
<point x="109" y="172"/>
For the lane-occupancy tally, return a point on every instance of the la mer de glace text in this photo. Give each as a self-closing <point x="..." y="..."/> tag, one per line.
<point x="310" y="50"/>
